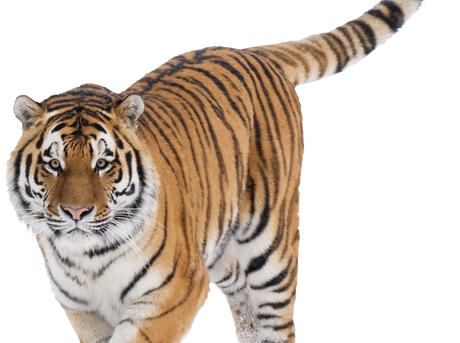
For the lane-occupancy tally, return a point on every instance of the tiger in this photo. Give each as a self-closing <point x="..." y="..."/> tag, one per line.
<point x="139" y="200"/>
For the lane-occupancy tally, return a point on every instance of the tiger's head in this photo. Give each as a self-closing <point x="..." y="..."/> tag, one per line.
<point x="79" y="175"/>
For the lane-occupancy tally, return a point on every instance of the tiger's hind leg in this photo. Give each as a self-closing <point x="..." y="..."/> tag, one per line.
<point x="258" y="274"/>
<point x="270" y="269"/>
<point x="228" y="275"/>
<point x="244" y="315"/>
<point x="264" y="243"/>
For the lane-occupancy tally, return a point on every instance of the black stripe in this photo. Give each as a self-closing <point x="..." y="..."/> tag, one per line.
<point x="209" y="128"/>
<point x="290" y="281"/>
<point x="369" y="42"/>
<point x="276" y="280"/>
<point x="266" y="316"/>
<point x="340" y="65"/>
<point x="154" y="136"/>
<point x="300" y="58"/>
<point x="47" y="151"/>
<point x="138" y="202"/>
<point x="258" y="262"/>
<point x="101" y="271"/>
<point x="128" y="158"/>
<point x="188" y="108"/>
<point x="264" y="216"/>
<point x="269" y="57"/>
<point x="237" y="277"/>
<point x="222" y="88"/>
<point x="185" y="129"/>
<point x="141" y="273"/>
<point x="190" y="288"/>
<point x="278" y="305"/>
<point x="396" y="17"/>
<point x="17" y="172"/>
<point x="64" y="260"/>
<point x="318" y="55"/>
<point x="40" y="140"/>
<point x="240" y="289"/>
<point x="167" y="139"/>
<point x="104" y="250"/>
<point x="236" y="73"/>
<point x="260" y="85"/>
<point x="342" y="47"/>
<point x="65" y="293"/>
<point x="28" y="165"/>
<point x="36" y="180"/>
<point x="279" y="327"/>
<point x="144" y="335"/>
<point x="58" y="127"/>
<point x="225" y="277"/>
<point x="98" y="127"/>
<point x="117" y="139"/>
<point x="167" y="280"/>
<point x="214" y="104"/>
<point x="347" y="35"/>
<point x="269" y="74"/>
<point x="288" y="114"/>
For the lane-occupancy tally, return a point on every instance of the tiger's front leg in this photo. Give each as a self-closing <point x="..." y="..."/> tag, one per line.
<point x="90" y="327"/>
<point x="164" y="315"/>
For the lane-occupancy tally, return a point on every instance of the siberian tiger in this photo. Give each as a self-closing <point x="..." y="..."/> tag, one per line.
<point x="138" y="200"/>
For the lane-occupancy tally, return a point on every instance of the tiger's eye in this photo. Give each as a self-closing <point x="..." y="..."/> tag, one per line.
<point x="101" y="163"/>
<point x="55" y="164"/>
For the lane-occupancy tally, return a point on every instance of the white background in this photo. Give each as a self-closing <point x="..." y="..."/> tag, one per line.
<point x="380" y="194"/>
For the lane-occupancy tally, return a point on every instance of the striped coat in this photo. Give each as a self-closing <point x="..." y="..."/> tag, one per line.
<point x="191" y="175"/>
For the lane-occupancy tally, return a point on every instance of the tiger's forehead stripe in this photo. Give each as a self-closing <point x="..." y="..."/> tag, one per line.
<point x="92" y="100"/>
<point x="73" y="109"/>
<point x="76" y="127"/>
<point x="88" y="93"/>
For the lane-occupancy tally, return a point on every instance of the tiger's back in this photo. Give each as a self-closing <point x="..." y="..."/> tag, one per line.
<point x="229" y="125"/>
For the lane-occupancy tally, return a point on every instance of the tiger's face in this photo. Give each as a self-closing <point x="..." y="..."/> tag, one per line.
<point x="78" y="176"/>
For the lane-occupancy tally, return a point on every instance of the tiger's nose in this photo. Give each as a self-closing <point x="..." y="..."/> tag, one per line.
<point x="76" y="213"/>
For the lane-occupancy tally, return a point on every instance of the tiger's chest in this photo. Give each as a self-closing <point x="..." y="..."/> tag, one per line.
<point x="106" y="285"/>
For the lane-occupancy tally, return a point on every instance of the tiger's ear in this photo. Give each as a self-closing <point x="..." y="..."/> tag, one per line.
<point x="27" y="111"/>
<point x="130" y="109"/>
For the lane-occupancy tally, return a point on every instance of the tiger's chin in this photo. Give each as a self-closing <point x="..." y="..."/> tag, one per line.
<point x="78" y="242"/>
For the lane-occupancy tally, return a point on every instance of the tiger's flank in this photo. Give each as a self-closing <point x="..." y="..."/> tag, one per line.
<point x="138" y="200"/>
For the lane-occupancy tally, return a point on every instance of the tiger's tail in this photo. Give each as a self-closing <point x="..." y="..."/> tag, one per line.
<point x="325" y="54"/>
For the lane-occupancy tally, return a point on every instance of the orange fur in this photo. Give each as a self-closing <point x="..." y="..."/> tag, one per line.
<point x="219" y="143"/>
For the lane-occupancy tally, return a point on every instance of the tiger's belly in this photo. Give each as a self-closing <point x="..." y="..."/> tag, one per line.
<point x="106" y="285"/>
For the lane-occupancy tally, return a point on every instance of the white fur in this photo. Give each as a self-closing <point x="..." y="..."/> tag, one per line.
<point x="124" y="333"/>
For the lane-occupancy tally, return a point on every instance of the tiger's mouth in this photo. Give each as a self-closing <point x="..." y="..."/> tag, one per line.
<point x="96" y="227"/>
<point x="116" y="229"/>
<point x="77" y="230"/>
<point x="117" y="226"/>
